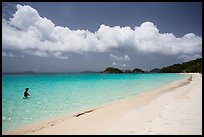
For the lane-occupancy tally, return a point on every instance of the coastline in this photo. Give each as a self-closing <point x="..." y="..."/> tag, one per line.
<point x="108" y="115"/>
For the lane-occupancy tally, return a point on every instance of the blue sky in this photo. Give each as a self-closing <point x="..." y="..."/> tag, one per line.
<point x="156" y="34"/>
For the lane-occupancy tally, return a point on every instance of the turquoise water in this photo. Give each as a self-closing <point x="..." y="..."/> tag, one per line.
<point x="58" y="94"/>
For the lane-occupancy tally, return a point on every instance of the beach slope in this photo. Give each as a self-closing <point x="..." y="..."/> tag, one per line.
<point x="172" y="109"/>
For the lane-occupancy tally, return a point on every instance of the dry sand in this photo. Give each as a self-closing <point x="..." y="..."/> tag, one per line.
<point x="172" y="113"/>
<point x="172" y="109"/>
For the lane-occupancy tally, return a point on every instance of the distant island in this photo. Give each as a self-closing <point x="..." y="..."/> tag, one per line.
<point x="112" y="70"/>
<point x="192" y="66"/>
<point x="185" y="67"/>
<point x="24" y="72"/>
<point x="116" y="70"/>
<point x="28" y="72"/>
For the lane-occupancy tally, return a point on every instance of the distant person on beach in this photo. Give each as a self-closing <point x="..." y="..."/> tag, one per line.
<point x="26" y="93"/>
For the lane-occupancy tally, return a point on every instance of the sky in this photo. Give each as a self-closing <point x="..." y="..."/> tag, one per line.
<point x="82" y="36"/>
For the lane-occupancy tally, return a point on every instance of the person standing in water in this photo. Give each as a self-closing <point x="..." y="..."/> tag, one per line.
<point x="26" y="93"/>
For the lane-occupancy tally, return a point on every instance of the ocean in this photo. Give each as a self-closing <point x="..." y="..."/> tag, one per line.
<point x="53" y="95"/>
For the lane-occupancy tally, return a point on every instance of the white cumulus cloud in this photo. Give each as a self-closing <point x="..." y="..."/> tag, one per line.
<point x="60" y="56"/>
<point x="8" y="54"/>
<point x="124" y="65"/>
<point x="119" y="58"/>
<point x="28" y="32"/>
<point x="114" y="64"/>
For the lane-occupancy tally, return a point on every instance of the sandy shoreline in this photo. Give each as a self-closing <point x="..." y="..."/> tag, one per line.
<point x="156" y="112"/>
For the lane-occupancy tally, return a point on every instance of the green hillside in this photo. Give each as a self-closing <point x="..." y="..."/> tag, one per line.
<point x="186" y="67"/>
<point x="136" y="70"/>
<point x="112" y="70"/>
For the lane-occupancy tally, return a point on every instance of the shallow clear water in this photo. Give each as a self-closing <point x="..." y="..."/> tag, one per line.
<point x="58" y="94"/>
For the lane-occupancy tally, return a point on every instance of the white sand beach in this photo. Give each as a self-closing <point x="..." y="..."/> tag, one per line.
<point x="172" y="113"/>
<point x="172" y="109"/>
